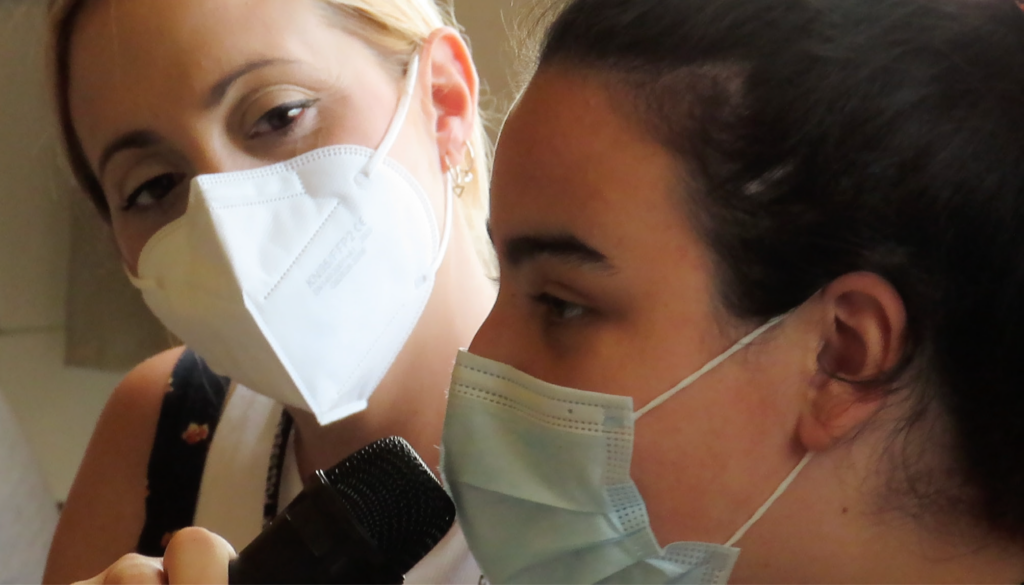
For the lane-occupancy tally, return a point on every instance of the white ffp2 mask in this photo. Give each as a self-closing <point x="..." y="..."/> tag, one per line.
<point x="302" y="280"/>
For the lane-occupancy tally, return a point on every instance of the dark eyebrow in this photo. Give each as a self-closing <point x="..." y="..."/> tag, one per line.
<point x="523" y="249"/>
<point x="136" y="139"/>
<point x="220" y="89"/>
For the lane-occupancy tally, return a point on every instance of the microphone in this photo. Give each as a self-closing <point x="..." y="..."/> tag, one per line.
<point x="369" y="519"/>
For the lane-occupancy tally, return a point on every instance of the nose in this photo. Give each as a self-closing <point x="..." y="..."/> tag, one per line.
<point x="486" y="343"/>
<point x="211" y="150"/>
<point x="203" y="153"/>
<point x="504" y="337"/>
<point x="495" y="336"/>
<point x="213" y="159"/>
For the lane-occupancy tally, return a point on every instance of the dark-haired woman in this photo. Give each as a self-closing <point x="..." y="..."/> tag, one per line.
<point x="778" y="248"/>
<point x="760" y="316"/>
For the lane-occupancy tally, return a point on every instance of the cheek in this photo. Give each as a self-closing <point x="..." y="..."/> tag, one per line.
<point x="597" y="354"/>
<point x="416" y="150"/>
<point x="130" y="243"/>
<point x="132" y="232"/>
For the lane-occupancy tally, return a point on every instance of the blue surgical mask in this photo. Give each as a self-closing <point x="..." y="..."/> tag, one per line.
<point x="540" y="475"/>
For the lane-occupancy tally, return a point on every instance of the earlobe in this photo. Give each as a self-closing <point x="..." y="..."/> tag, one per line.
<point x="837" y="411"/>
<point x="863" y="321"/>
<point x="453" y="90"/>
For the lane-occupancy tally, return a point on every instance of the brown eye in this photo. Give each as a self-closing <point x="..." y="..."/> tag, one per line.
<point x="559" y="310"/>
<point x="153" y="190"/>
<point x="280" y="118"/>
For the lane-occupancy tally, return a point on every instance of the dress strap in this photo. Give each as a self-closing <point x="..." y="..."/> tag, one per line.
<point x="188" y="419"/>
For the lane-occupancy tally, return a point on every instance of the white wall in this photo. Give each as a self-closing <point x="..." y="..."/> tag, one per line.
<point x="58" y="405"/>
<point x="28" y="514"/>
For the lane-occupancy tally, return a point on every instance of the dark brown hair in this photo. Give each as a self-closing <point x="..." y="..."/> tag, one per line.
<point x="832" y="136"/>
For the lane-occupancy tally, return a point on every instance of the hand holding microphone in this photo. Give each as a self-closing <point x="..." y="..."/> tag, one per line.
<point x="194" y="555"/>
<point x="369" y="519"/>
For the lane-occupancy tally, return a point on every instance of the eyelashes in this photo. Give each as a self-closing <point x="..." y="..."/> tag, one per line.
<point x="280" y="119"/>
<point x="558" y="310"/>
<point x="153" y="191"/>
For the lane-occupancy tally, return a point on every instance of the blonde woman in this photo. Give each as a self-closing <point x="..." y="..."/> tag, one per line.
<point x="322" y="294"/>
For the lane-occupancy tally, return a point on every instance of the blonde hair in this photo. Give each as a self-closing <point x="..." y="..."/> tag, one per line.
<point x="394" y="28"/>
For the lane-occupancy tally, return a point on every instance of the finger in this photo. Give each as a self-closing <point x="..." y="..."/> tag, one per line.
<point x="197" y="556"/>
<point x="131" y="569"/>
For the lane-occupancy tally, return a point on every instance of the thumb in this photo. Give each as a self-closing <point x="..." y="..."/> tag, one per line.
<point x="197" y="556"/>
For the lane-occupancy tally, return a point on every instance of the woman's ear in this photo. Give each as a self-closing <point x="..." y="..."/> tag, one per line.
<point x="862" y="326"/>
<point x="453" y="85"/>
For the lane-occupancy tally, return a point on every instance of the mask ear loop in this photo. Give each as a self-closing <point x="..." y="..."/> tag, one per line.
<point x="771" y="500"/>
<point x="708" y="367"/>
<point x="404" y="105"/>
<point x="449" y="203"/>
<point x="693" y="378"/>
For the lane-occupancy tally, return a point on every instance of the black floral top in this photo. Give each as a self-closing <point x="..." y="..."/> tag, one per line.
<point x="188" y="420"/>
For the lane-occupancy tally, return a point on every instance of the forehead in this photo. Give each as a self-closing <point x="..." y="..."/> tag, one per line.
<point x="144" y="56"/>
<point x="573" y="148"/>
<point x="186" y="34"/>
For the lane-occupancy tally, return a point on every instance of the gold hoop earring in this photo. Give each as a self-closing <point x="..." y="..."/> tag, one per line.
<point x="459" y="177"/>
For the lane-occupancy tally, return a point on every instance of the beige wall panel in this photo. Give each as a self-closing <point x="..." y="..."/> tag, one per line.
<point x="108" y="326"/>
<point x="33" y="211"/>
<point x="485" y="24"/>
<point x="501" y="32"/>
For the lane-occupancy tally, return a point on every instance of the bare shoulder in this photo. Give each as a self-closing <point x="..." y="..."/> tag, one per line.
<point x="105" y="510"/>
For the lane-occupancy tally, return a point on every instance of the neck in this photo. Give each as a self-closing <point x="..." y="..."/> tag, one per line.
<point x="831" y="527"/>
<point x="410" y="401"/>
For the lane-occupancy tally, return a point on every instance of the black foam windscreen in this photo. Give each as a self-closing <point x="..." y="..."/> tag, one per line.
<point x="393" y="496"/>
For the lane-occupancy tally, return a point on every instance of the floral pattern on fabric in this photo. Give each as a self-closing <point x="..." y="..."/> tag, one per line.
<point x="186" y="427"/>
<point x="196" y="433"/>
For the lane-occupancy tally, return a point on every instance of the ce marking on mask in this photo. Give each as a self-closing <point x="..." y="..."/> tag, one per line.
<point x="342" y="258"/>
